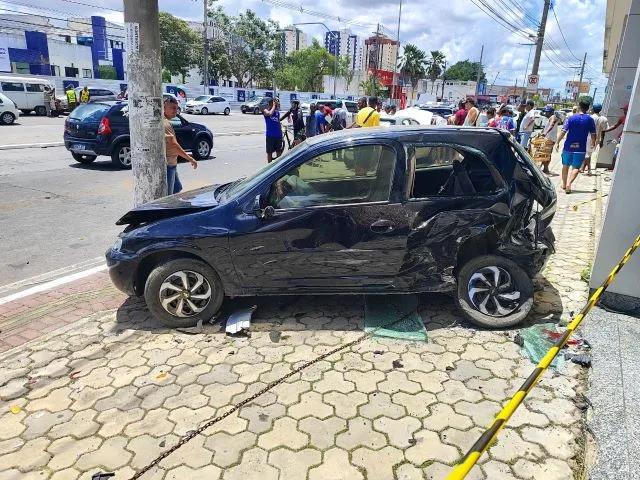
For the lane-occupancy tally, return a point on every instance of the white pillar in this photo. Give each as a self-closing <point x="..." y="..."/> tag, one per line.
<point x="621" y="221"/>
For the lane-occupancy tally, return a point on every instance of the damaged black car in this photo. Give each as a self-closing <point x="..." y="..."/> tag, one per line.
<point x="373" y="211"/>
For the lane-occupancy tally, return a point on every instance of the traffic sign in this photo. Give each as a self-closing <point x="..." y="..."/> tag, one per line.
<point x="532" y="82"/>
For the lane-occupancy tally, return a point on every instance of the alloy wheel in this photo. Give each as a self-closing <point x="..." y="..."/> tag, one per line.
<point x="204" y="111"/>
<point x="493" y="292"/>
<point x="185" y="293"/>
<point x="125" y="156"/>
<point x="203" y="149"/>
<point x="7" y="118"/>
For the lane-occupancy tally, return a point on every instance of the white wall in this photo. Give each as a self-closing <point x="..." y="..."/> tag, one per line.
<point x="13" y="40"/>
<point x="65" y="54"/>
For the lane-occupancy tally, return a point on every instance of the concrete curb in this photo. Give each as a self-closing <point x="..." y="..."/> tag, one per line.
<point x="31" y="145"/>
<point x="61" y="144"/>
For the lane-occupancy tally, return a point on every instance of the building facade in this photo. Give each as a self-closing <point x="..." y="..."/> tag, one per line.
<point x="380" y="53"/>
<point x="85" y="48"/>
<point x="293" y="39"/>
<point x="345" y="43"/>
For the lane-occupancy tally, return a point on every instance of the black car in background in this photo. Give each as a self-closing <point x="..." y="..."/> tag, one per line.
<point x="371" y="210"/>
<point x="102" y="128"/>
<point x="255" y="106"/>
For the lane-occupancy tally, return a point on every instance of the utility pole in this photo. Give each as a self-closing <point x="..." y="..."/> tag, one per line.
<point x="444" y="72"/>
<point x="205" y="61"/>
<point x="478" y="73"/>
<point x="540" y="40"/>
<point x="373" y="77"/>
<point x="584" y="61"/>
<point x="595" y="91"/>
<point x="142" y="36"/>
<point x="395" y="67"/>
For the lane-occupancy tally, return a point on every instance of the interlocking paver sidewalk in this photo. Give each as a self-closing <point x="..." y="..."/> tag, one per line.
<point x="91" y="382"/>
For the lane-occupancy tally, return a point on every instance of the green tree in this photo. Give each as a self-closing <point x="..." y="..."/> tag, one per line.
<point x="413" y="65"/>
<point x="372" y="86"/>
<point x="107" y="72"/>
<point x="466" y="71"/>
<point x="177" y="45"/>
<point x="345" y="70"/>
<point x="304" y="69"/>
<point x="586" y="98"/>
<point x="435" y="66"/>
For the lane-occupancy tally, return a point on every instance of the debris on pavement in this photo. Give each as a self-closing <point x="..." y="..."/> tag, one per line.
<point x="239" y="322"/>
<point x="15" y="409"/>
<point x="397" y="364"/>
<point x="380" y="310"/>
<point x="102" y="475"/>
<point x="275" y="336"/>
<point x="536" y="341"/>
<point x="161" y="375"/>
<point x="581" y="359"/>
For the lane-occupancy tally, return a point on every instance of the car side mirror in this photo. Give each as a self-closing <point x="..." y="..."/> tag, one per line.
<point x="262" y="213"/>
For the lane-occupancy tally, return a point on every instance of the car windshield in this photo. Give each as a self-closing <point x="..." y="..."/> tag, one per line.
<point x="239" y="186"/>
<point x="202" y="98"/>
<point x="90" y="111"/>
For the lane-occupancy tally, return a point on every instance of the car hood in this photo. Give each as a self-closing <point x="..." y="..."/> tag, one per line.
<point x="172" y="206"/>
<point x="193" y="103"/>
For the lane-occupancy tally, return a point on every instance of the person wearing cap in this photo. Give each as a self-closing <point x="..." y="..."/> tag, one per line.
<point x="601" y="125"/>
<point x="527" y="124"/>
<point x="294" y="114"/>
<point x="619" y="123"/>
<point x="472" y="113"/>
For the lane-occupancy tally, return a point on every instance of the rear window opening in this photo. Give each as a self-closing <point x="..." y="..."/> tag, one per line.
<point x="90" y="111"/>
<point x="447" y="171"/>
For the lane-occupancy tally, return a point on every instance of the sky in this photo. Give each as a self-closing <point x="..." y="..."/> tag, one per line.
<point x="457" y="27"/>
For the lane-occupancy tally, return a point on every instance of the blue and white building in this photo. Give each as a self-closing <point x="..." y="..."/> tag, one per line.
<point x="84" y="48"/>
<point x="343" y="42"/>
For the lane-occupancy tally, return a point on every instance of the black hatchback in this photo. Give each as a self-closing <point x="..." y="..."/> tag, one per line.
<point x="102" y="128"/>
<point x="393" y="210"/>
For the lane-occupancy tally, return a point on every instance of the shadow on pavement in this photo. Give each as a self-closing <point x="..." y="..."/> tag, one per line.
<point x="98" y="166"/>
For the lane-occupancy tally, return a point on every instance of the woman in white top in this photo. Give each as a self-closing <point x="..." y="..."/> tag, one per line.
<point x="550" y="134"/>
<point x="472" y="113"/>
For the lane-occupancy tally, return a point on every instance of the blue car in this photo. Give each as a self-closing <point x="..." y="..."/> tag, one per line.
<point x="102" y="128"/>
<point x="370" y="210"/>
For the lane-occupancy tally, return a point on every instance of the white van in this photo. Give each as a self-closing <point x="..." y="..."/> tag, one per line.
<point x="27" y="93"/>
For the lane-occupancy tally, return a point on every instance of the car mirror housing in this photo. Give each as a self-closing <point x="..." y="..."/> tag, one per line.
<point x="262" y="213"/>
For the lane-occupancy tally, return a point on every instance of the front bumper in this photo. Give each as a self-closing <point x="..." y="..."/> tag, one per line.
<point x="123" y="268"/>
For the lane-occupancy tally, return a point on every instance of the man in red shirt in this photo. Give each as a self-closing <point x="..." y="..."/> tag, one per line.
<point x="460" y="115"/>
<point x="619" y="123"/>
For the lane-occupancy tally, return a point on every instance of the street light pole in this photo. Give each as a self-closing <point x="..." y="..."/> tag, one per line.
<point x="335" y="63"/>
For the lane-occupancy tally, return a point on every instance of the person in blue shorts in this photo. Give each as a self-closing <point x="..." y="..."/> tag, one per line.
<point x="578" y="128"/>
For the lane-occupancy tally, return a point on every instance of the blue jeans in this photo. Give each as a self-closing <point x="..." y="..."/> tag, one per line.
<point x="173" y="181"/>
<point x="524" y="139"/>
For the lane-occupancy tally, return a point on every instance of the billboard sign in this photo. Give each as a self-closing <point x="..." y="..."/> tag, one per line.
<point x="5" y="62"/>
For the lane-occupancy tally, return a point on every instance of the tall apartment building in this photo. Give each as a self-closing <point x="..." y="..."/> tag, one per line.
<point x="293" y="39"/>
<point x="343" y="42"/>
<point x="380" y="53"/>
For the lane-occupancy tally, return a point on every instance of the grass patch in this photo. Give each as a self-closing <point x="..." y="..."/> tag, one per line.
<point x="585" y="275"/>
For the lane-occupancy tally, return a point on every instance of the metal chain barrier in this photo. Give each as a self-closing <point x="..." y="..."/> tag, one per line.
<point x="186" y="438"/>
<point x="491" y="433"/>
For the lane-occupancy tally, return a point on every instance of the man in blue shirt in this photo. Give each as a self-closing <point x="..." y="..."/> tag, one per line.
<point x="321" y="121"/>
<point x="273" y="130"/>
<point x="578" y="128"/>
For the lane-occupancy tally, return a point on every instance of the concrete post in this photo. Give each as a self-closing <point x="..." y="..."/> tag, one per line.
<point x="142" y="37"/>
<point x="622" y="223"/>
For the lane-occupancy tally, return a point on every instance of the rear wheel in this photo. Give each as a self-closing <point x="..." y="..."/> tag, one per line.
<point x="79" y="157"/>
<point x="202" y="148"/>
<point x="256" y="111"/>
<point x="204" y="111"/>
<point x="121" y="156"/>
<point x="227" y="111"/>
<point x="494" y="292"/>
<point x="182" y="292"/>
<point x="7" y="118"/>
<point x="41" y="111"/>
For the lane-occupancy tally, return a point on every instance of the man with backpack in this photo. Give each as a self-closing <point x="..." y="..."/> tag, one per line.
<point x="339" y="119"/>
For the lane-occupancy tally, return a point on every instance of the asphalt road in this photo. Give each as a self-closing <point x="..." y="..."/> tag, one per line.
<point x="55" y="212"/>
<point x="30" y="129"/>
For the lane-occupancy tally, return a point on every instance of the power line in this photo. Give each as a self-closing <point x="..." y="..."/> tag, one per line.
<point x="94" y="6"/>
<point x="504" y="24"/>
<point x="562" y="33"/>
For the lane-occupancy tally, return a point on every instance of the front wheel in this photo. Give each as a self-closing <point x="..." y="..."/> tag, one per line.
<point x="203" y="148"/>
<point x="7" y="118"/>
<point x="227" y="111"/>
<point x="41" y="111"/>
<point x="204" y="111"/>
<point x="182" y="292"/>
<point x="121" y="156"/>
<point x="256" y="111"/>
<point x="494" y="292"/>
<point x="79" y="157"/>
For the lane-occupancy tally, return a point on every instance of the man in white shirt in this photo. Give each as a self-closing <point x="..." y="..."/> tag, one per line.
<point x="601" y="125"/>
<point x="528" y="122"/>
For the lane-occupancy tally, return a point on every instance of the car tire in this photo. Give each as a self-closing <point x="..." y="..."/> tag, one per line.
<point x="256" y="111"/>
<point x="227" y="111"/>
<point x="202" y="148"/>
<point x="121" y="156"/>
<point x="175" y="273"/>
<point x="204" y="111"/>
<point x="79" y="157"/>
<point x="500" y="311"/>
<point x="41" y="111"/>
<point x="7" y="118"/>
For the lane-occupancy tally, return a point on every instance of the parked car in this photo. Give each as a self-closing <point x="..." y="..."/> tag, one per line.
<point x="444" y="112"/>
<point x="102" y="128"/>
<point x="9" y="112"/>
<point x="96" y="95"/>
<point x="255" y="106"/>
<point x="26" y="93"/>
<point x="419" y="116"/>
<point x="350" y="105"/>
<point x="206" y="104"/>
<point x="433" y="209"/>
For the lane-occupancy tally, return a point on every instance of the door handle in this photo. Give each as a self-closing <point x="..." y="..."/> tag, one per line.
<point x="382" y="226"/>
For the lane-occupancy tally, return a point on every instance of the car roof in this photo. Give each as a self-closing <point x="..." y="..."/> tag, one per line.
<point x="472" y="136"/>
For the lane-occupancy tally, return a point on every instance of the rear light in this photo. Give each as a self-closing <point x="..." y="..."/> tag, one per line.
<point x="104" y="128"/>
<point x="66" y="125"/>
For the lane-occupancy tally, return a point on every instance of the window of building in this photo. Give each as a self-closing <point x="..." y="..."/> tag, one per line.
<point x="20" y="67"/>
<point x="87" y="73"/>
<point x="35" y="87"/>
<point x="12" y="87"/>
<point x="55" y="70"/>
<point x="67" y="38"/>
<point x="70" y="72"/>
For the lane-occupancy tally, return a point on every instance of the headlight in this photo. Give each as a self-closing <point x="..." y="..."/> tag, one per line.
<point x="117" y="245"/>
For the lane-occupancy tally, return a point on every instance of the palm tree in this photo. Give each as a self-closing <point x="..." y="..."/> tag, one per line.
<point x="413" y="65"/>
<point x="435" y="66"/>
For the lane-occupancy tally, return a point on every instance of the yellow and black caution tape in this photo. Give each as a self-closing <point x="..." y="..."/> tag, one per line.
<point x="599" y="197"/>
<point x="491" y="433"/>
